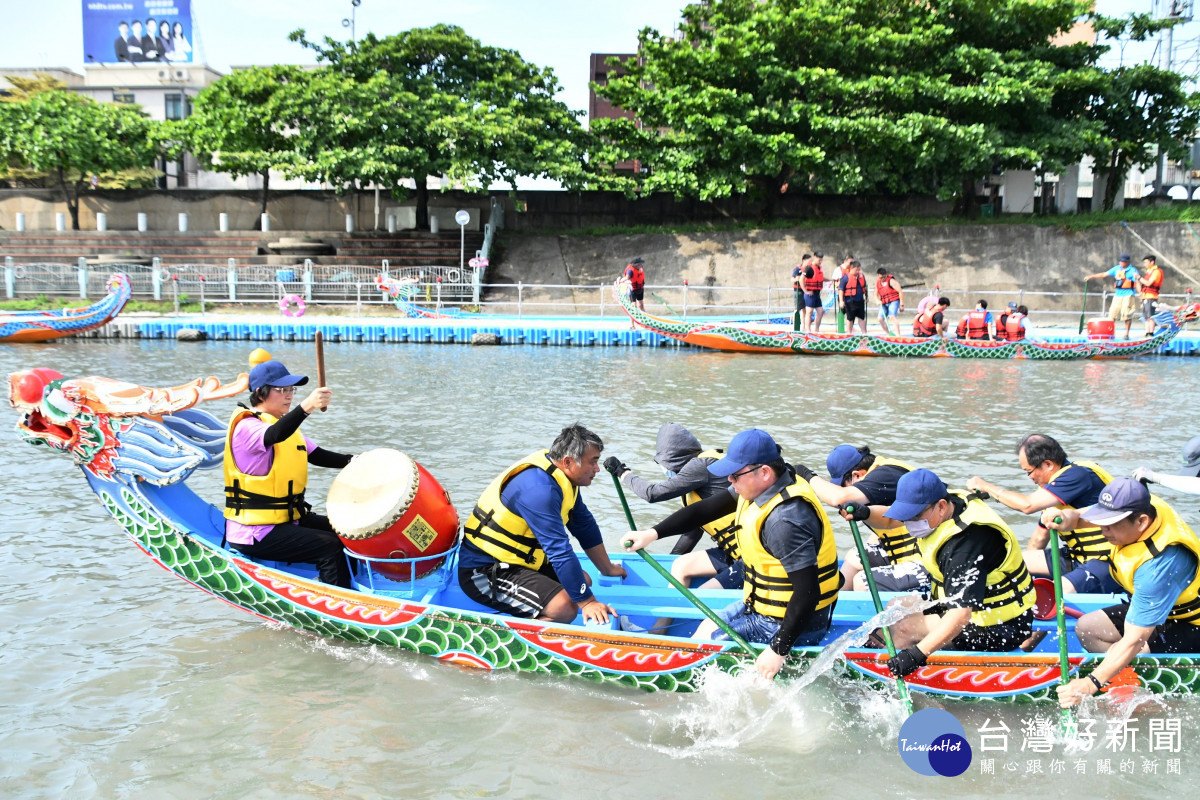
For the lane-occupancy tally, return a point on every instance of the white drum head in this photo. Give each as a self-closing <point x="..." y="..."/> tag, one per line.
<point x="371" y="493"/>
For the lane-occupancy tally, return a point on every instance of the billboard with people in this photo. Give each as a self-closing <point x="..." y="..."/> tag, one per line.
<point x="137" y="31"/>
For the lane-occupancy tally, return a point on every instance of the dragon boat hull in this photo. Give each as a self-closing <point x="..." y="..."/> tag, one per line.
<point x="41" y="326"/>
<point x="774" y="338"/>
<point x="137" y="446"/>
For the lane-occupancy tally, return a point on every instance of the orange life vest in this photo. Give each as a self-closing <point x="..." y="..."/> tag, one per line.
<point x="1002" y="327"/>
<point x="884" y="290"/>
<point x="1015" y="331"/>
<point x="636" y="275"/>
<point x="813" y="285"/>
<point x="1150" y="290"/>
<point x="854" y="287"/>
<point x="924" y="325"/>
<point x="1124" y="281"/>
<point x="977" y="324"/>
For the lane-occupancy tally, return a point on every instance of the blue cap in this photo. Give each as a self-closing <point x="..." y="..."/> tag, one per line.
<point x="1125" y="257"/>
<point x="915" y="491"/>
<point x="1012" y="306"/>
<point x="842" y="460"/>
<point x="272" y="373"/>
<point x="1119" y="499"/>
<point x="748" y="447"/>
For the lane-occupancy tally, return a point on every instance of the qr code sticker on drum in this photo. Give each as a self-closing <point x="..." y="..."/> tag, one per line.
<point x="420" y="533"/>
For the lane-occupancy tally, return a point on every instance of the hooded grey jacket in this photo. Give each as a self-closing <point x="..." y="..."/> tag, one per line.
<point x="678" y="451"/>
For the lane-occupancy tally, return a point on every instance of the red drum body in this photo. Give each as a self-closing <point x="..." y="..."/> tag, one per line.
<point x="385" y="505"/>
<point x="1101" y="329"/>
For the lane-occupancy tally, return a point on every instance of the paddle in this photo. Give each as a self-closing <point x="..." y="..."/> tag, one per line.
<point x="686" y="592"/>
<point x="901" y="686"/>
<point x="320" y="342"/>
<point x="799" y="306"/>
<point x="1083" y="309"/>
<point x="1064" y="664"/>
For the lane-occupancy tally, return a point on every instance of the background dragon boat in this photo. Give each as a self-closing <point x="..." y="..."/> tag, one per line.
<point x="781" y="338"/>
<point x="137" y="446"/>
<point x="40" y="326"/>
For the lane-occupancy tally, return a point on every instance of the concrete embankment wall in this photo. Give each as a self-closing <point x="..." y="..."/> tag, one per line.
<point x="969" y="258"/>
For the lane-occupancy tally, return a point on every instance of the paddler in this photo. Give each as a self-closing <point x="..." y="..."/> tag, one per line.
<point x="686" y="463"/>
<point x="786" y="542"/>
<point x="1061" y="484"/>
<point x="1156" y="560"/>
<point x="516" y="556"/>
<point x="859" y="477"/>
<point x="975" y="569"/>
<point x="266" y="471"/>
<point x="1188" y="478"/>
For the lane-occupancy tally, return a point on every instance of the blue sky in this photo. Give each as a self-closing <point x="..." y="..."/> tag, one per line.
<point x="554" y="33"/>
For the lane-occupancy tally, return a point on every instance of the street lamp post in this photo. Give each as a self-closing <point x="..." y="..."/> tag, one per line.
<point x="348" y="22"/>
<point x="462" y="218"/>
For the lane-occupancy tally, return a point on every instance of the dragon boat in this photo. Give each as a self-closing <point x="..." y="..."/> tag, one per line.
<point x="41" y="326"/>
<point x="137" y="446"/>
<point x="777" y="336"/>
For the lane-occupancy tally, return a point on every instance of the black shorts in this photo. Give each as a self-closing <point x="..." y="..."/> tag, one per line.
<point x="511" y="589"/>
<point x="730" y="574"/>
<point x="855" y="310"/>
<point x="1170" y="637"/>
<point x="994" y="638"/>
<point x="636" y="295"/>
<point x="1149" y="307"/>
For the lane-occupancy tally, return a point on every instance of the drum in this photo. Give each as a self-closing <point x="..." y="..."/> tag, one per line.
<point x="385" y="505"/>
<point x="1101" y="329"/>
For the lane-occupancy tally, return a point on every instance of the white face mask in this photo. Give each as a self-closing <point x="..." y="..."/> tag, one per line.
<point x="918" y="528"/>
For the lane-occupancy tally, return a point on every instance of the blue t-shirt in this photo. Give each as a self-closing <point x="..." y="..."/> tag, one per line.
<point x="537" y="498"/>
<point x="1158" y="583"/>
<point x="1077" y="487"/>
<point x="1129" y="273"/>
<point x="861" y="297"/>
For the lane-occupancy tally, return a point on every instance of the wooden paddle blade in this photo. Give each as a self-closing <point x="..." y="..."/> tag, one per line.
<point x="319" y="340"/>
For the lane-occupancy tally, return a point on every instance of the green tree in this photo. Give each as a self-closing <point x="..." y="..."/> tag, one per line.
<point x="434" y="101"/>
<point x="243" y="124"/>
<point x="851" y="96"/>
<point x="72" y="138"/>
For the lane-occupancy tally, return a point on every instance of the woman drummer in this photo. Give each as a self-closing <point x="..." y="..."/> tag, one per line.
<point x="266" y="470"/>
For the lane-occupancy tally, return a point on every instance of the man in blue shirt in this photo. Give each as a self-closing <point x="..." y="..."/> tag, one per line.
<point x="1059" y="482"/>
<point x="1157" y="560"/>
<point x="516" y="556"/>
<point x="1125" y="282"/>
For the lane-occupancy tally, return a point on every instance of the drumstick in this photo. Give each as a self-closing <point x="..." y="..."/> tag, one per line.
<point x="320" y="341"/>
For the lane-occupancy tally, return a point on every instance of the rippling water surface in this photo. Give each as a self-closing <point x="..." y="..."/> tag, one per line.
<point x="118" y="681"/>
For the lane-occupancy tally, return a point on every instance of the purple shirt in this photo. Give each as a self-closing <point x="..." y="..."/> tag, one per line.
<point x="253" y="457"/>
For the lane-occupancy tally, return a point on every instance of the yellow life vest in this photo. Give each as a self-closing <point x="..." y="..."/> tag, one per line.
<point x="270" y="499"/>
<point x="1168" y="529"/>
<point x="723" y="529"/>
<point x="899" y="545"/>
<point x="504" y="535"/>
<point x="1009" y="587"/>
<point x="767" y="589"/>
<point x="1085" y="544"/>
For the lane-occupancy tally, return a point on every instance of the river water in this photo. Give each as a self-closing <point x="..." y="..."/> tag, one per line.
<point x="118" y="681"/>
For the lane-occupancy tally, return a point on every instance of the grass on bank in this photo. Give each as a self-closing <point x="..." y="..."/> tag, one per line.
<point x="44" y="303"/>
<point x="1175" y="212"/>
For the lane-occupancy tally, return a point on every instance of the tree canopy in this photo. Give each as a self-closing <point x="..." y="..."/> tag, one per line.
<point x="434" y="101"/>
<point x="72" y="138"/>
<point x="850" y="96"/>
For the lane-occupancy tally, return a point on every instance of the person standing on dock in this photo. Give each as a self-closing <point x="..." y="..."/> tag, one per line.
<point x="516" y="556"/>
<point x="1156" y="561"/>
<point x="975" y="569"/>
<point x="786" y="542"/>
<point x="266" y="471"/>
<point x="852" y="296"/>
<point x="1061" y="484"/>
<point x="1151" y="285"/>
<point x="814" y="281"/>
<point x="891" y="300"/>
<point x="636" y="276"/>
<point x="1125" y="286"/>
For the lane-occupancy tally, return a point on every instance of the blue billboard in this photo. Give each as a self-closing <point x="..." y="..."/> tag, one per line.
<point x="137" y="31"/>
